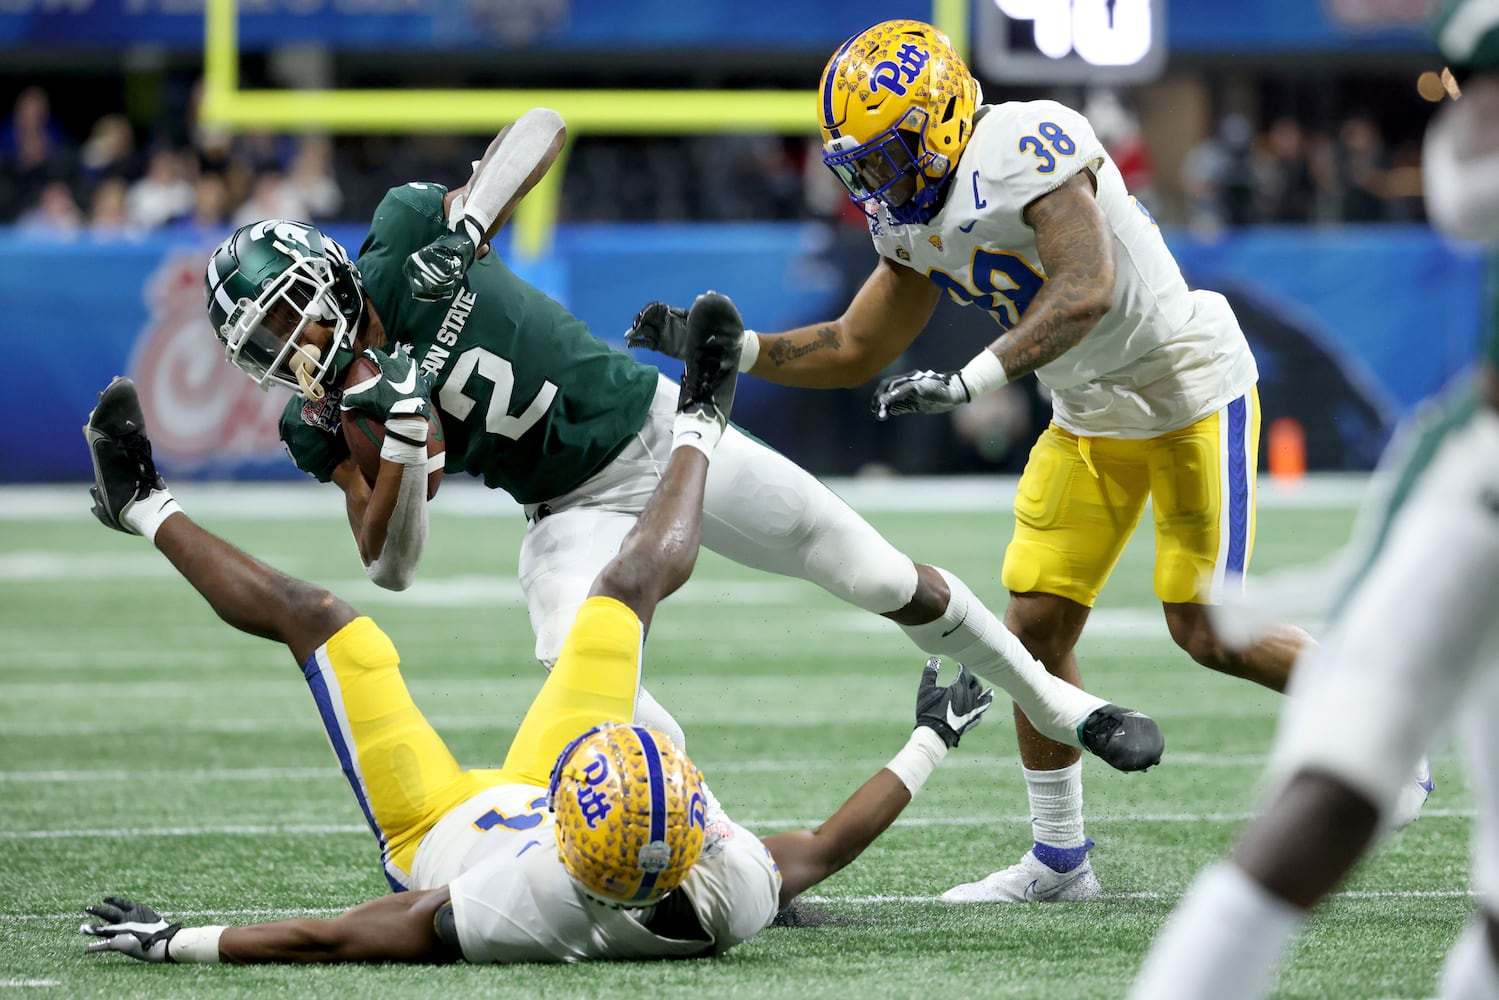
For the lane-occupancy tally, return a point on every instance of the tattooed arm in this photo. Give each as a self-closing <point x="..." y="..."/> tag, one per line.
<point x="1077" y="253"/>
<point x="880" y="323"/>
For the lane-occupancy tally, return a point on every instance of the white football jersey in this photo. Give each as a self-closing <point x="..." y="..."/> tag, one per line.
<point x="513" y="901"/>
<point x="1162" y="358"/>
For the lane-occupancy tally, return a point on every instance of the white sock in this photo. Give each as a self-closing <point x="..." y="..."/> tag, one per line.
<point x="145" y="517"/>
<point x="1470" y="973"/>
<point x="971" y="634"/>
<point x="649" y="713"/>
<point x="1056" y="805"/>
<point x="696" y="430"/>
<point x="1223" y="941"/>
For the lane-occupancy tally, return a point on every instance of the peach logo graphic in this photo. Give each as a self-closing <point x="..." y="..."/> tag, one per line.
<point x="202" y="412"/>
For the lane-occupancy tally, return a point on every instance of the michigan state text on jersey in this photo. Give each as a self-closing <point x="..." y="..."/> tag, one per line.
<point x="531" y="402"/>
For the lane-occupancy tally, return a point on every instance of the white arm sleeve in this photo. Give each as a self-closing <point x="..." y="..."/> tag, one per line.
<point x="406" y="532"/>
<point x="497" y="181"/>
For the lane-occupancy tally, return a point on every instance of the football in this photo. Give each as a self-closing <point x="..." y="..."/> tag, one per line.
<point x="365" y="435"/>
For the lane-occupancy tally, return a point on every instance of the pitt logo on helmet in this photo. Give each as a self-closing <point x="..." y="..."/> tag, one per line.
<point x="631" y="814"/>
<point x="897" y="108"/>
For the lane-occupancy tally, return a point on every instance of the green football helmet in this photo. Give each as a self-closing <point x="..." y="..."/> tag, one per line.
<point x="266" y="284"/>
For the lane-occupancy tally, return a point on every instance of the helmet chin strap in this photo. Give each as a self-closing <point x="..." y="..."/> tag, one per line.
<point x="303" y="364"/>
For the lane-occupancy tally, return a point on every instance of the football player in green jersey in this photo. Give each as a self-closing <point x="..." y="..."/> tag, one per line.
<point x="577" y="432"/>
<point x="1401" y="661"/>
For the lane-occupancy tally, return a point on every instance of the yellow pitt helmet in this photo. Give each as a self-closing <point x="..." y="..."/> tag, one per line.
<point x="897" y="108"/>
<point x="631" y="813"/>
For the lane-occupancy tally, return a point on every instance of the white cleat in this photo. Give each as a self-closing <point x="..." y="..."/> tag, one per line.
<point x="1030" y="881"/>
<point x="1412" y="798"/>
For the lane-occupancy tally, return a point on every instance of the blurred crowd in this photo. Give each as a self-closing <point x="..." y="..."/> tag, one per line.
<point x="1287" y="174"/>
<point x="118" y="179"/>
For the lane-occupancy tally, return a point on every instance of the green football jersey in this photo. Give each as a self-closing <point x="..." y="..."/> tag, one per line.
<point x="530" y="401"/>
<point x="312" y="436"/>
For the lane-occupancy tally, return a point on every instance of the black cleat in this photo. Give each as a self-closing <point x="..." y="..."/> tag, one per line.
<point x="715" y="336"/>
<point x="1127" y="740"/>
<point x="124" y="473"/>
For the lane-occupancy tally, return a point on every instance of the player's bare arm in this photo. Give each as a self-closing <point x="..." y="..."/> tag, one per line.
<point x="943" y="715"/>
<point x="890" y="309"/>
<point x="401" y="927"/>
<point x="888" y="312"/>
<point x="248" y="594"/>
<point x="1077" y="252"/>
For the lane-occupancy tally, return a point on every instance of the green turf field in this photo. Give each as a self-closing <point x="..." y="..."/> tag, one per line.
<point x="148" y="750"/>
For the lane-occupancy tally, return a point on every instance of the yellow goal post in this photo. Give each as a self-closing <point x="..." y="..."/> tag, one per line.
<point x="485" y="111"/>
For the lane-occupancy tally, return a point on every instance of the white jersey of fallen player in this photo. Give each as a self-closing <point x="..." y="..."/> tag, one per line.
<point x="513" y="901"/>
<point x="1162" y="358"/>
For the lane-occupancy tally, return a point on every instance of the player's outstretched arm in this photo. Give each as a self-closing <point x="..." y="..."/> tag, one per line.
<point x="943" y="715"/>
<point x="401" y="927"/>
<point x="132" y="497"/>
<point x="888" y="312"/>
<point x="515" y="161"/>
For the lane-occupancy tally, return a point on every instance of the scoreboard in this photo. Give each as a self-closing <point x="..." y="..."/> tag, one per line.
<point x="1070" y="41"/>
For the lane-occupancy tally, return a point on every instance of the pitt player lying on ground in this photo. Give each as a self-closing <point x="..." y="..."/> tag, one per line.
<point x="596" y="838"/>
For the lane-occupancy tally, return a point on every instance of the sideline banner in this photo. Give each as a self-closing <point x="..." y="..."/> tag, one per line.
<point x="1352" y="328"/>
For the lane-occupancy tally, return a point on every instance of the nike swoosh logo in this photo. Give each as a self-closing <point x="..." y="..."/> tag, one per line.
<point x="407" y="385"/>
<point x="1032" y="896"/>
<point x="968" y="228"/>
<point x="957" y="722"/>
<point x="957" y="626"/>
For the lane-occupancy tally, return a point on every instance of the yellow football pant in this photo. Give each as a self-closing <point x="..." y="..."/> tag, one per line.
<point x="401" y="771"/>
<point x="1079" y="500"/>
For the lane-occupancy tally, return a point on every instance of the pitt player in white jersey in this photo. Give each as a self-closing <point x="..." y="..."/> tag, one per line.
<point x="596" y="838"/>
<point x="1017" y="209"/>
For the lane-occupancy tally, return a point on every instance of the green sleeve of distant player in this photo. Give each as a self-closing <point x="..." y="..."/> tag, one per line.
<point x="1467" y="32"/>
<point x="314" y="449"/>
<point x="531" y="401"/>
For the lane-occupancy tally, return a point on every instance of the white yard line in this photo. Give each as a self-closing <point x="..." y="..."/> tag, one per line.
<point x="304" y="499"/>
<point x="779" y="823"/>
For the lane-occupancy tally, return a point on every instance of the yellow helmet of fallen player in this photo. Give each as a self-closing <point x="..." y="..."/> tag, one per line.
<point x="631" y="813"/>
<point x="897" y="107"/>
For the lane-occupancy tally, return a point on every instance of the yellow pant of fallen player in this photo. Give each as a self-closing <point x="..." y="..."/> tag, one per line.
<point x="1079" y="500"/>
<point x="402" y="772"/>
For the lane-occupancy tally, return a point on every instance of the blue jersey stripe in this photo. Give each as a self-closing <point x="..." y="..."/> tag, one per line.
<point x="1238" y="485"/>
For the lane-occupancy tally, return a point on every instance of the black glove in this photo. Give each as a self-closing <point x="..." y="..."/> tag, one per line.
<point x="659" y="327"/>
<point x="920" y="392"/>
<point x="953" y="710"/>
<point x="130" y="928"/>
<point x="433" y="272"/>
